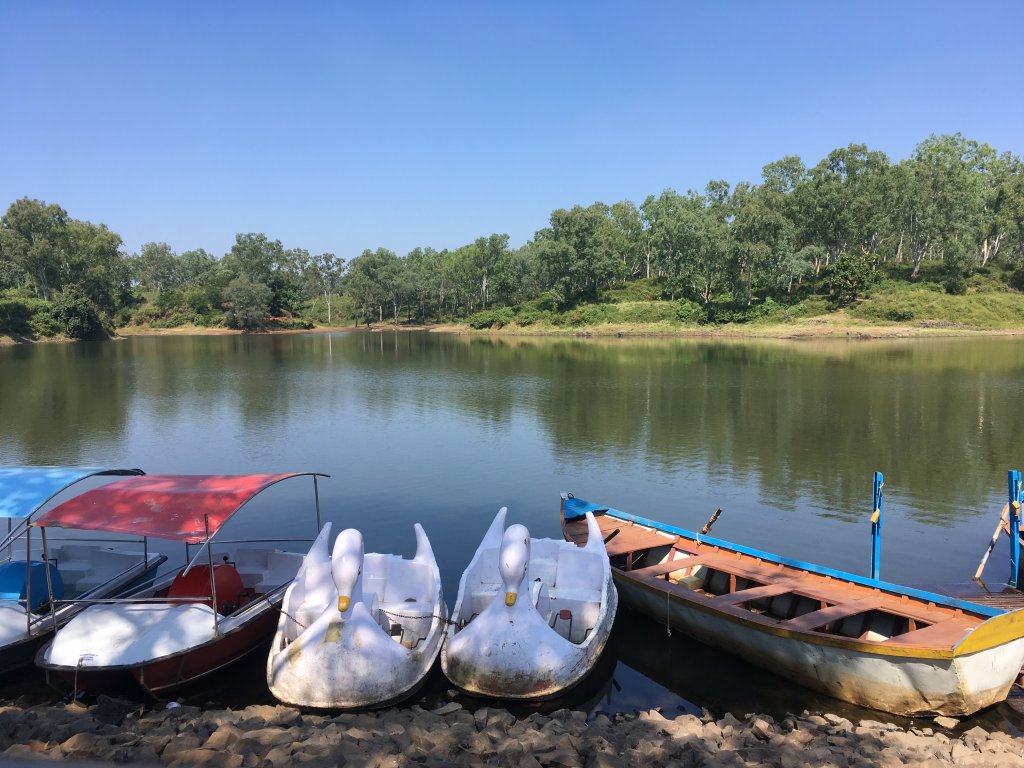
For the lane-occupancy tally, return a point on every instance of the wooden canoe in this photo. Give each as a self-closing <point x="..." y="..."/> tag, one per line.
<point x="872" y="643"/>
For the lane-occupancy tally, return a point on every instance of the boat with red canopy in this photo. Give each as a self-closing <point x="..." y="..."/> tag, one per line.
<point x="38" y="595"/>
<point x="212" y="612"/>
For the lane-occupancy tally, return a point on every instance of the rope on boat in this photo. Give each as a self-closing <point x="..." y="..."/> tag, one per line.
<point x="668" y="613"/>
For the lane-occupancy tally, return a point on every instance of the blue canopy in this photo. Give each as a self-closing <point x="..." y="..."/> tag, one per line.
<point x="23" y="490"/>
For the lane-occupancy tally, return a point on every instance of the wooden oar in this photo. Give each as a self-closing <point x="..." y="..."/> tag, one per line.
<point x="1003" y="525"/>
<point x="710" y="522"/>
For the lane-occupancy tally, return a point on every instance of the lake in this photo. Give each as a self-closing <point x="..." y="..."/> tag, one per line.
<point x="445" y="429"/>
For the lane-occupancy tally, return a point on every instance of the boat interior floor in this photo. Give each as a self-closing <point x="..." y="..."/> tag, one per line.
<point x="778" y="595"/>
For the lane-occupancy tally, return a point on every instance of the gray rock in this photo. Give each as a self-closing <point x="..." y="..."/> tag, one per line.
<point x="605" y="760"/>
<point x="975" y="738"/>
<point x="760" y="728"/>
<point x="224" y="737"/>
<point x="279" y="755"/>
<point x="181" y="743"/>
<point x="209" y="758"/>
<point x="447" y="709"/>
<point x="111" y="710"/>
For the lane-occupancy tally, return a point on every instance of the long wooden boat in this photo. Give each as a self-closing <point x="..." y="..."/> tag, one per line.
<point x="37" y="598"/>
<point x="532" y="616"/>
<point x="869" y="642"/>
<point x="197" y="621"/>
<point x="357" y="629"/>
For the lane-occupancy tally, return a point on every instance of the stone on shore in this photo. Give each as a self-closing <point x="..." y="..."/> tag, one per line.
<point x="263" y="736"/>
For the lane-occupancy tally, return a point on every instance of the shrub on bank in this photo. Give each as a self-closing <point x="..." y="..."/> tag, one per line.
<point x="25" y="316"/>
<point x="647" y="312"/>
<point x="492" y="318"/>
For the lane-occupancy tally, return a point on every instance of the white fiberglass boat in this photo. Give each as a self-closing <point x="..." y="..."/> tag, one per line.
<point x="532" y="615"/>
<point x="357" y="630"/>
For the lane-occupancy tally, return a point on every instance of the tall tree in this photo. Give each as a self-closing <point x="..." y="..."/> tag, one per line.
<point x="35" y="241"/>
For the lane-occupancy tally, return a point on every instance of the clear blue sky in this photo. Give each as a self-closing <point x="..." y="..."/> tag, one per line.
<point x="344" y="126"/>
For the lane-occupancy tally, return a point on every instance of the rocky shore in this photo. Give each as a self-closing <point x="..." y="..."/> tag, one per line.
<point x="263" y="736"/>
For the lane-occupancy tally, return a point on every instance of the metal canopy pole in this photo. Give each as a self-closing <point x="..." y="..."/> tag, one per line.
<point x="316" y="498"/>
<point x="213" y="581"/>
<point x="49" y="578"/>
<point x="876" y="524"/>
<point x="28" y="580"/>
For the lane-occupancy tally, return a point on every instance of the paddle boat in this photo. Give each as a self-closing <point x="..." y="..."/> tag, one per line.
<point x="357" y="630"/>
<point x="866" y="641"/>
<point x="36" y="598"/>
<point x="532" y="616"/>
<point x="198" y="620"/>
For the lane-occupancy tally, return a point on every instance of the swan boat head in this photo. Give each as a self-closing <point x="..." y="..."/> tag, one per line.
<point x="513" y="558"/>
<point x="347" y="568"/>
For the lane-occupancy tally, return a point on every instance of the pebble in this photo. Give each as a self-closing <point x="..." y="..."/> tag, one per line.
<point x="269" y="736"/>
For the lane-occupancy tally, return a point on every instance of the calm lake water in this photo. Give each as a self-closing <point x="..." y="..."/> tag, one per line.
<point x="444" y="430"/>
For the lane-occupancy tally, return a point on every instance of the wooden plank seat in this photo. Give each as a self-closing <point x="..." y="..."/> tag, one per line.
<point x="663" y="569"/>
<point x="945" y="634"/>
<point x="634" y="540"/>
<point x="754" y="593"/>
<point x="815" y="619"/>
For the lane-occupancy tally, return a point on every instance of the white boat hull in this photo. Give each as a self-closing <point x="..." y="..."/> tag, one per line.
<point x="549" y="630"/>
<point x="344" y="658"/>
<point x="907" y="685"/>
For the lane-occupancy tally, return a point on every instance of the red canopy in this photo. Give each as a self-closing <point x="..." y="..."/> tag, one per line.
<point x="165" y="506"/>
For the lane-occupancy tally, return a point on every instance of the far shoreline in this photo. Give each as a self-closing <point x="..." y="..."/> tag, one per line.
<point x="818" y="328"/>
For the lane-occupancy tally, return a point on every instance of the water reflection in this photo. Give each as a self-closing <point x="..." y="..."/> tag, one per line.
<point x="775" y="432"/>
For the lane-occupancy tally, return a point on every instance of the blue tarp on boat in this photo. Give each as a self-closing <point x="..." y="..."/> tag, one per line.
<point x="23" y="490"/>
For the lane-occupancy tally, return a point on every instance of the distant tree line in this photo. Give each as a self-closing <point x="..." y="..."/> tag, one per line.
<point x="956" y="204"/>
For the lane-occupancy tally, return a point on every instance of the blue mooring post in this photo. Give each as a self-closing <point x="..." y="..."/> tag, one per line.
<point x="876" y="525"/>
<point x="1014" y="488"/>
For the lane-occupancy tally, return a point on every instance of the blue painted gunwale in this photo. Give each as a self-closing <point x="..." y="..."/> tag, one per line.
<point x="575" y="508"/>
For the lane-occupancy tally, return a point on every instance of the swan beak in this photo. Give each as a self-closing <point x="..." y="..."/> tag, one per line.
<point x="343" y="601"/>
<point x="510" y="599"/>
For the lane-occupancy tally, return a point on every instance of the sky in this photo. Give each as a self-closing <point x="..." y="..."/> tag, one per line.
<point x="342" y="126"/>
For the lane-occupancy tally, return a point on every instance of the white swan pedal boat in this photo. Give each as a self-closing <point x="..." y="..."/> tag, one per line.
<point x="357" y="629"/>
<point x="532" y="616"/>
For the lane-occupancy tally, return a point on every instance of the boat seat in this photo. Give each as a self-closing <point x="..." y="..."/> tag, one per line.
<point x="251" y="564"/>
<point x="631" y="540"/>
<point x="105" y="565"/>
<point x="414" y="619"/>
<point x="754" y="593"/>
<point x="542" y="568"/>
<point x="584" y="605"/>
<point x="479" y="600"/>
<point x="578" y="568"/>
<point x="945" y="634"/>
<point x="671" y="566"/>
<point x="815" y="619"/>
<point x="281" y="569"/>
<point x="196" y="584"/>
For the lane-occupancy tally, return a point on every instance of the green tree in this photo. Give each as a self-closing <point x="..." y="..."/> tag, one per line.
<point x="848" y="278"/>
<point x="324" y="271"/>
<point x="75" y="314"/>
<point x="95" y="264"/>
<point x="248" y="303"/>
<point x="35" y="241"/>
